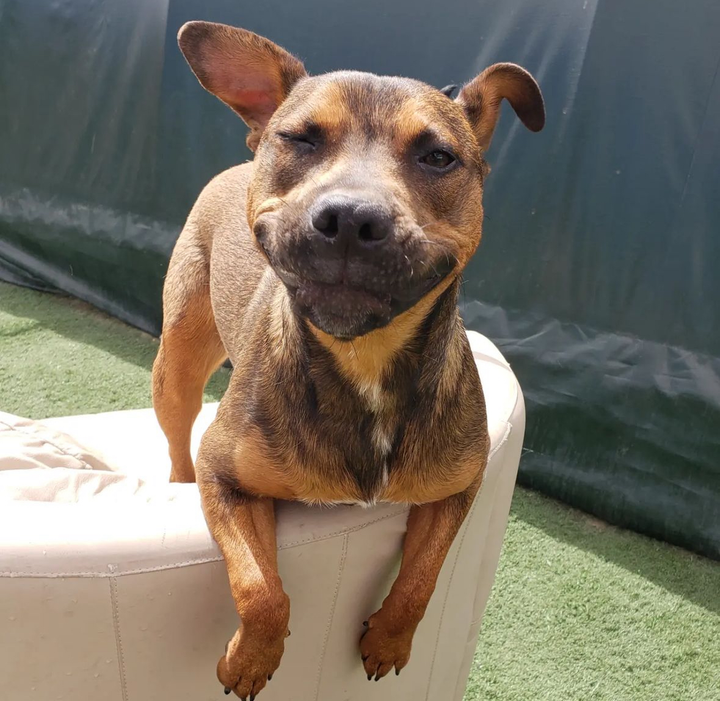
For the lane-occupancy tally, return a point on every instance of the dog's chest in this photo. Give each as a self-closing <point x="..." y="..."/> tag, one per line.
<point x="380" y="425"/>
<point x="380" y="405"/>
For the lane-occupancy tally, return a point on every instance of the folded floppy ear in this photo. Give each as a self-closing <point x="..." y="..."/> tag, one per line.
<point x="246" y="71"/>
<point x="482" y="96"/>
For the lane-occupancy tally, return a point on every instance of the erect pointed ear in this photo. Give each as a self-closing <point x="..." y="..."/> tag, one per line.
<point x="246" y="71"/>
<point x="482" y="96"/>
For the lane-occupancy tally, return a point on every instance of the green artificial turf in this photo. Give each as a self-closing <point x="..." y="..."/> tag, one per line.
<point x="59" y="357"/>
<point x="580" y="610"/>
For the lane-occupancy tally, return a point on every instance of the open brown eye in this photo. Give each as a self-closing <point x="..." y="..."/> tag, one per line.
<point x="438" y="159"/>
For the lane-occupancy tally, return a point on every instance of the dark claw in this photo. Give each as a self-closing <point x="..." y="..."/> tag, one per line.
<point x="252" y="697"/>
<point x="366" y="624"/>
<point x="365" y="657"/>
<point x="269" y="677"/>
<point x="227" y="690"/>
<point x="369" y="677"/>
<point x="377" y="677"/>
<point x="397" y="672"/>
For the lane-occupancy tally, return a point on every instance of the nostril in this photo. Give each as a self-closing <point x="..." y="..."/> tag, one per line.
<point x="331" y="228"/>
<point x="364" y="222"/>
<point x="368" y="232"/>
<point x="326" y="222"/>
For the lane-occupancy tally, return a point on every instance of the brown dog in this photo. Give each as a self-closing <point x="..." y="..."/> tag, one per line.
<point x="328" y="271"/>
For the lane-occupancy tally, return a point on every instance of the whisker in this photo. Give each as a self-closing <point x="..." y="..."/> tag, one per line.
<point x="429" y="263"/>
<point x="434" y="243"/>
<point x="315" y="181"/>
<point x="412" y="271"/>
<point x="450" y="256"/>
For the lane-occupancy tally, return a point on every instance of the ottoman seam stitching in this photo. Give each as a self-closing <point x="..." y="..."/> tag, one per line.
<point x="332" y="614"/>
<point x="198" y="561"/>
<point x="11" y="574"/>
<point x="207" y="560"/>
<point x="202" y="561"/>
<point x="345" y="531"/>
<point x="118" y="637"/>
<point x="447" y="594"/>
<point x="501" y="442"/>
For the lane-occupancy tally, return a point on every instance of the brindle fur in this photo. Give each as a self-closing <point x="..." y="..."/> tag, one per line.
<point x="396" y="413"/>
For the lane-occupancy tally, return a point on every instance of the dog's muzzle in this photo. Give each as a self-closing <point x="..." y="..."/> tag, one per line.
<point x="348" y="266"/>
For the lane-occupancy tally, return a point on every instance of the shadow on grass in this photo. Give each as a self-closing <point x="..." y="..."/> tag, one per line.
<point x="690" y="576"/>
<point x="78" y="321"/>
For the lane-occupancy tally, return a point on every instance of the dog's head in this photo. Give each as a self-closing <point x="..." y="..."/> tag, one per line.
<point x="367" y="191"/>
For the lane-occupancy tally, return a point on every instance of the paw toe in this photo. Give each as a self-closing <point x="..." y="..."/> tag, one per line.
<point x="383" y="669"/>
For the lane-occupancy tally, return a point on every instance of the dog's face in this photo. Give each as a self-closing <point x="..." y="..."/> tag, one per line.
<point x="367" y="191"/>
<point x="367" y="195"/>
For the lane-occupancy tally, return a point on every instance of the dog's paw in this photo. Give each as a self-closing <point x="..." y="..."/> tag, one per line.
<point x="383" y="647"/>
<point x="248" y="664"/>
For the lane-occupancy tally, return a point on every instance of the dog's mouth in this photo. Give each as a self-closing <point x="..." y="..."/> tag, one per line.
<point x="346" y="312"/>
<point x="342" y="298"/>
<point x="340" y="310"/>
<point x="348" y="294"/>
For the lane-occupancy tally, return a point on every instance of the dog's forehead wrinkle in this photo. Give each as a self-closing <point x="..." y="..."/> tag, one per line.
<point x="364" y="93"/>
<point x="375" y="81"/>
<point x="356" y="110"/>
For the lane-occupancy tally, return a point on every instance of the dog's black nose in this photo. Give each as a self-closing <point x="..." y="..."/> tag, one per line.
<point x="351" y="219"/>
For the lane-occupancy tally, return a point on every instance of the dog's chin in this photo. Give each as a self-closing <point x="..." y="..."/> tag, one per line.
<point x="341" y="311"/>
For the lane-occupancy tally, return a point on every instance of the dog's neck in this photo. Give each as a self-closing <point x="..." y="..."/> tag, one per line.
<point x="366" y="362"/>
<point x="353" y="403"/>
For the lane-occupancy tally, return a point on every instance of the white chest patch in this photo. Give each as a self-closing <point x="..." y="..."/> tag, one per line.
<point x="373" y="395"/>
<point x="381" y="437"/>
<point x="382" y="434"/>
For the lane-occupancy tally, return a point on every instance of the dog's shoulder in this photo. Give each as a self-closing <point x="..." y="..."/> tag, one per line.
<point x="221" y="205"/>
<point x="228" y="187"/>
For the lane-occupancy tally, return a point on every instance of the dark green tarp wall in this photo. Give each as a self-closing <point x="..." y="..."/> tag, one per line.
<point x="599" y="275"/>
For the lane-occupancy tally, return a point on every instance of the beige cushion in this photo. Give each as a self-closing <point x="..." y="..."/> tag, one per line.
<point x="111" y="587"/>
<point x="27" y="444"/>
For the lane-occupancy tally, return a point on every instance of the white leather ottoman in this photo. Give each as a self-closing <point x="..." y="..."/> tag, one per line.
<point x="111" y="588"/>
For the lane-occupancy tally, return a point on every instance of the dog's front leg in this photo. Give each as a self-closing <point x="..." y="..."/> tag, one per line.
<point x="431" y="530"/>
<point x="244" y="527"/>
